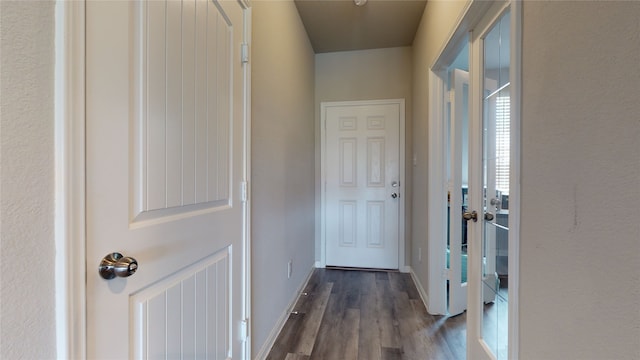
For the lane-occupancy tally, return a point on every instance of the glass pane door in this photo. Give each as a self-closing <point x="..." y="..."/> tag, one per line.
<point x="496" y="166"/>
<point x="458" y="180"/>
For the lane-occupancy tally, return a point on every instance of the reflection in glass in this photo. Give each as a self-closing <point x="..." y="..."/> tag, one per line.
<point x="496" y="165"/>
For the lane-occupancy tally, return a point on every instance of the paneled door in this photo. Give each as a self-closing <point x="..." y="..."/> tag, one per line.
<point x="166" y="170"/>
<point x="362" y="189"/>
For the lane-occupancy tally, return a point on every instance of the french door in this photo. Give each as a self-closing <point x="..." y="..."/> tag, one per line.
<point x="493" y="185"/>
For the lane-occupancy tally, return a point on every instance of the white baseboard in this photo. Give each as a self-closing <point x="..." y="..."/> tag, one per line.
<point x="273" y="335"/>
<point x="423" y="294"/>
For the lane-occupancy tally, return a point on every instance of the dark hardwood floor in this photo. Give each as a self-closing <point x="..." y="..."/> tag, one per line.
<point x="368" y="315"/>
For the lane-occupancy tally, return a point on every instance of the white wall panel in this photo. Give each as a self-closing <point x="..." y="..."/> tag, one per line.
<point x="173" y="138"/>
<point x="154" y="126"/>
<point x="375" y="162"/>
<point x="375" y="122"/>
<point x="348" y="123"/>
<point x="201" y="101"/>
<point x="375" y="224"/>
<point x="186" y="315"/>
<point x="223" y="62"/>
<point x="188" y="102"/>
<point x="347" y="223"/>
<point x="348" y="149"/>
<point x="184" y="93"/>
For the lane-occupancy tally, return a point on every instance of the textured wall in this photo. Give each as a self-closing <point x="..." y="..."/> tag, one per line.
<point x="283" y="198"/>
<point x="437" y="23"/>
<point x="27" y="302"/>
<point x="366" y="75"/>
<point x="580" y="236"/>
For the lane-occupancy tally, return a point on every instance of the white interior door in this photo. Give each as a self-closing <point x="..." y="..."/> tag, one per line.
<point x="492" y="183"/>
<point x="362" y="184"/>
<point x="458" y="190"/>
<point x="165" y="165"/>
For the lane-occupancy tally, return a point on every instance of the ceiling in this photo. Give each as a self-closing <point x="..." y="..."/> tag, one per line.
<point x="341" y="25"/>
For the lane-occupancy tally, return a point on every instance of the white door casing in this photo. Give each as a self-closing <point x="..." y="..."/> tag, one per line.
<point x="362" y="191"/>
<point x="166" y="162"/>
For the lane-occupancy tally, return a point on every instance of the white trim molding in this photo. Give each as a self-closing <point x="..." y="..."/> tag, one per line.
<point x="70" y="179"/>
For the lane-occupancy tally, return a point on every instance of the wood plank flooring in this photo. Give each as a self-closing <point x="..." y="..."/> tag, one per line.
<point x="366" y="315"/>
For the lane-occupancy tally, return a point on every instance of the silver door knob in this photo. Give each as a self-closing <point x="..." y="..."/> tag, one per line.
<point x="488" y="216"/>
<point x="394" y="195"/>
<point x="115" y="264"/>
<point x="470" y="216"/>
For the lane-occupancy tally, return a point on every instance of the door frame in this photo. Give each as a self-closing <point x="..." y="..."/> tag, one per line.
<point x="323" y="173"/>
<point x="70" y="194"/>
<point x="471" y="16"/>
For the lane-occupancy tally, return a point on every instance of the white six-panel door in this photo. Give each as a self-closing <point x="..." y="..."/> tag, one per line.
<point x="165" y="164"/>
<point x="362" y="183"/>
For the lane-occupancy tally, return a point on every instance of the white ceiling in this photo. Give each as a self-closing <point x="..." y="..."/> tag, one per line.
<point x="340" y="25"/>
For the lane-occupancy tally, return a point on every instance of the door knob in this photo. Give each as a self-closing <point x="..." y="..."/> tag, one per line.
<point x="470" y="216"/>
<point x="488" y="216"/>
<point x="115" y="264"/>
<point x="394" y="195"/>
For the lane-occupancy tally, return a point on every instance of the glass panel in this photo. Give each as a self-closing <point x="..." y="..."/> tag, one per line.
<point x="458" y="178"/>
<point x="496" y="149"/>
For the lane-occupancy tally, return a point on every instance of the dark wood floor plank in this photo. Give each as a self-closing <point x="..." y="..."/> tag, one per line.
<point x="391" y="354"/>
<point x="370" y="346"/>
<point x="313" y="320"/>
<point x="328" y="343"/>
<point x="388" y="322"/>
<point x="288" y="337"/>
<point x="349" y="334"/>
<point x="296" y="357"/>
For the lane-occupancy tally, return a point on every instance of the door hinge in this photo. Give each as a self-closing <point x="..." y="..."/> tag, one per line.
<point x="244" y="191"/>
<point x="244" y="330"/>
<point x="244" y="53"/>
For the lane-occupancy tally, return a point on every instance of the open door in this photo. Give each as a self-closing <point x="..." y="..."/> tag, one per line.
<point x="496" y="155"/>
<point x="457" y="190"/>
<point x="166" y="168"/>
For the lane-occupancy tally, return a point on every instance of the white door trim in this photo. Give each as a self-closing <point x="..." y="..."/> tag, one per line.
<point x="70" y="196"/>
<point x="402" y="266"/>
<point x="70" y="180"/>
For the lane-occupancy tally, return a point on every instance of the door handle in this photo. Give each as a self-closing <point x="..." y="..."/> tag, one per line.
<point x="488" y="216"/>
<point x="115" y="264"/>
<point x="394" y="195"/>
<point x="470" y="216"/>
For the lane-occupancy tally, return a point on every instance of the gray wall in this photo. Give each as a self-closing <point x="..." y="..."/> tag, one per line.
<point x="27" y="293"/>
<point x="365" y="75"/>
<point x="580" y="238"/>
<point x="282" y="153"/>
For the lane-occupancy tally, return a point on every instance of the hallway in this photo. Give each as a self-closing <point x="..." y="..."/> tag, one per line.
<point x="348" y="314"/>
